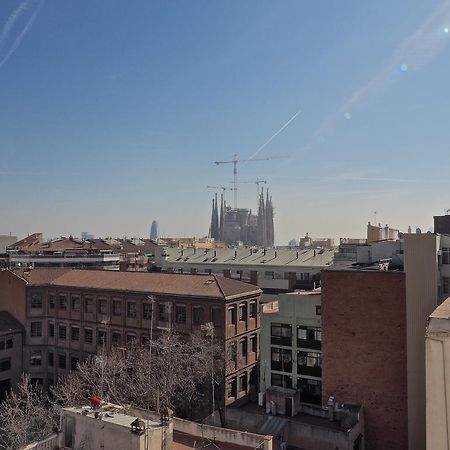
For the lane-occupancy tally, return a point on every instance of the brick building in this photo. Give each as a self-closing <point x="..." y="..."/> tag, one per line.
<point x="64" y="311"/>
<point x="364" y="350"/>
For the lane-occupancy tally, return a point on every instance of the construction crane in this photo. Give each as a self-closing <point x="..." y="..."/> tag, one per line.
<point x="257" y="182"/>
<point x="235" y="161"/>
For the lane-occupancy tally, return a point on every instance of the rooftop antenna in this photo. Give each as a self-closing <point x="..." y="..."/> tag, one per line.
<point x="235" y="161"/>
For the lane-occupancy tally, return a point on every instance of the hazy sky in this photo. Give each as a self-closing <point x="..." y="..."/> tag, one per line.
<point x="113" y="111"/>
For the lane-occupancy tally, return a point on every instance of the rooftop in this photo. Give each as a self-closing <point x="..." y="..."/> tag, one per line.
<point x="251" y="256"/>
<point x="8" y="323"/>
<point x="210" y="286"/>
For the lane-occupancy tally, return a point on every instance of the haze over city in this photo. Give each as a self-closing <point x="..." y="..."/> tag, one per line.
<point x="113" y="113"/>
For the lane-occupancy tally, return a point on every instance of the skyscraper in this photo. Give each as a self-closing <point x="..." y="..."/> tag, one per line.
<point x="154" y="230"/>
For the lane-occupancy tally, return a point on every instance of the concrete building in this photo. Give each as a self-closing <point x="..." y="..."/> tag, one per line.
<point x="274" y="270"/>
<point x="113" y="427"/>
<point x="437" y="345"/>
<point x="379" y="233"/>
<point x="5" y="242"/>
<point x="33" y="251"/>
<point x="63" y="312"/>
<point x="291" y="352"/>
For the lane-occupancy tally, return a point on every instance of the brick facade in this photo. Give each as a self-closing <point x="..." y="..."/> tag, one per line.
<point x="364" y="350"/>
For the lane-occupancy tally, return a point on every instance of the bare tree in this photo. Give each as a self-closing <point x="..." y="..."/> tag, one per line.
<point x="174" y="373"/>
<point x="25" y="416"/>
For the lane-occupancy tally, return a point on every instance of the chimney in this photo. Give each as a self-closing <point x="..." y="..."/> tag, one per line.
<point x="330" y="407"/>
<point x="297" y="256"/>
<point x="275" y="253"/>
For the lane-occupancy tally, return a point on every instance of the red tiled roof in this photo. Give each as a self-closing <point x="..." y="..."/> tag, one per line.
<point x="40" y="276"/>
<point x="442" y="311"/>
<point x="211" y="286"/>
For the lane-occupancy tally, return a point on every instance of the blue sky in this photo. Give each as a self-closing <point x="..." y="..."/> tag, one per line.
<point x="112" y="113"/>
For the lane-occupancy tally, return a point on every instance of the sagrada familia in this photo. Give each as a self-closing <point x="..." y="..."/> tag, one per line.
<point x="234" y="226"/>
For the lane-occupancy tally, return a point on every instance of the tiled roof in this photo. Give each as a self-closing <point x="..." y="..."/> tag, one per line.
<point x="210" y="286"/>
<point x="442" y="311"/>
<point x="8" y="322"/>
<point x="40" y="276"/>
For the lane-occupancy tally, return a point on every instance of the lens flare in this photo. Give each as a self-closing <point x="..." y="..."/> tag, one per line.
<point x="404" y="67"/>
<point x="347" y="115"/>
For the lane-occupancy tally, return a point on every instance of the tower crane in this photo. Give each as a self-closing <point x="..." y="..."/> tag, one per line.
<point x="257" y="182"/>
<point x="235" y="161"/>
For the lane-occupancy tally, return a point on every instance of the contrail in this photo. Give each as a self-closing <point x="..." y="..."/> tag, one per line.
<point x="9" y="26"/>
<point x="274" y="135"/>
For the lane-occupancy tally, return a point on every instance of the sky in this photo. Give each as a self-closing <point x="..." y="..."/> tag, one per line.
<point x="113" y="112"/>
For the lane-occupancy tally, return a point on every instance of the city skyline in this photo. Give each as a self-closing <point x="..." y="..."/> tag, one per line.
<point x="113" y="115"/>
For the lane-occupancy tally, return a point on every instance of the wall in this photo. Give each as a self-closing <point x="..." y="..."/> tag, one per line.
<point x="12" y="295"/>
<point x="438" y="384"/>
<point x="421" y="299"/>
<point x="364" y="350"/>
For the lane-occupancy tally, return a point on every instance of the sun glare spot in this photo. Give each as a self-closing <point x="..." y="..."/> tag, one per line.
<point x="404" y="67"/>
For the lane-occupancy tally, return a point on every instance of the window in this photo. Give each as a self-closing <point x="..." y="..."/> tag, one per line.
<point x="145" y="340"/>
<point x="243" y="383"/>
<point x="36" y="358"/>
<point x="36" y="300"/>
<point x="5" y="364"/>
<point x="75" y="301"/>
<point x="446" y="255"/>
<point x="51" y="301"/>
<point x="310" y="390"/>
<point x="74" y="363"/>
<point x="198" y="315"/>
<point x="131" y="310"/>
<point x="6" y="342"/>
<point x="62" y="332"/>
<point x="146" y="311"/>
<point x="243" y="312"/>
<point x="180" y="313"/>
<point x="88" y="335"/>
<point x="36" y="329"/>
<point x="63" y="302"/>
<point x="101" y="337"/>
<point x="253" y="343"/>
<point x="232" y="315"/>
<point x="253" y="310"/>
<point x="278" y="379"/>
<point x="216" y="314"/>
<point x="243" y="347"/>
<point x="75" y="333"/>
<point x="281" y="359"/>
<point x="309" y="337"/>
<point x="131" y="337"/>
<point x="50" y="359"/>
<point x="445" y="285"/>
<point x="318" y="310"/>
<point x="61" y="360"/>
<point x="116" y="338"/>
<point x="281" y="334"/>
<point x="163" y="312"/>
<point x="232" y="388"/>
<point x="51" y="329"/>
<point x="102" y="306"/>
<point x="117" y="307"/>
<point x="232" y="355"/>
<point x="309" y="363"/>
<point x="88" y="304"/>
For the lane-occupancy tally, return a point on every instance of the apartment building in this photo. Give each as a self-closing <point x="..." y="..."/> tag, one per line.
<point x="68" y="314"/>
<point x="291" y="351"/>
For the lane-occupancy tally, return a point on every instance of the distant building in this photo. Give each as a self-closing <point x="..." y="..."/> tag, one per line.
<point x="379" y="233"/>
<point x="240" y="226"/>
<point x="274" y="270"/>
<point x="154" y="231"/>
<point x="309" y="242"/>
<point x="32" y="251"/>
<point x="85" y="236"/>
<point x="5" y="242"/>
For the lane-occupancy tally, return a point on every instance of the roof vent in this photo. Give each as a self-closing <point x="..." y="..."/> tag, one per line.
<point x="208" y="282"/>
